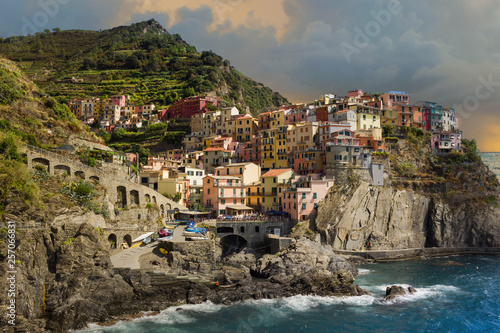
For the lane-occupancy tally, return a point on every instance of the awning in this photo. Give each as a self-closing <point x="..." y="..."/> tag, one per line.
<point x="239" y="207"/>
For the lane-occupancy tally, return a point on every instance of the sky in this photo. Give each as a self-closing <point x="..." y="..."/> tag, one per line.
<point x="445" y="51"/>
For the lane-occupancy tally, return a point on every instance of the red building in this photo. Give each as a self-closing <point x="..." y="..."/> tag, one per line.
<point x="185" y="108"/>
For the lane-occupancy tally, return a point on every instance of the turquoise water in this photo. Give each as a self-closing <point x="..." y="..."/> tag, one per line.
<point x="492" y="160"/>
<point x="454" y="294"/>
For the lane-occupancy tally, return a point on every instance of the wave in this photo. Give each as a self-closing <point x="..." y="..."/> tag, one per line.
<point x="183" y="314"/>
<point x="421" y="292"/>
<point x="364" y="271"/>
<point x="302" y="303"/>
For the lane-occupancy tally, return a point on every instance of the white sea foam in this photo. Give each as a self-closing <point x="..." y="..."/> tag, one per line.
<point x="364" y="271"/>
<point x="168" y="316"/>
<point x="302" y="303"/>
<point x="421" y="292"/>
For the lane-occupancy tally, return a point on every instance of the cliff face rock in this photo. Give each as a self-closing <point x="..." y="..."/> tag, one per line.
<point x="384" y="218"/>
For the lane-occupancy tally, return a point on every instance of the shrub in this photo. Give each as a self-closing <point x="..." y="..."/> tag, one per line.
<point x="491" y="199"/>
<point x="405" y="169"/>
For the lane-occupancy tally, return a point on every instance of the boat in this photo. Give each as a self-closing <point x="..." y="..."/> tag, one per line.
<point x="164" y="238"/>
<point x="142" y="237"/>
<point x="146" y="240"/>
<point x="195" y="230"/>
<point x="197" y="238"/>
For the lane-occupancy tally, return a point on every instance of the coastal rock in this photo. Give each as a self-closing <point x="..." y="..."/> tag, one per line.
<point x="305" y="256"/>
<point x="394" y="291"/>
<point x="385" y="218"/>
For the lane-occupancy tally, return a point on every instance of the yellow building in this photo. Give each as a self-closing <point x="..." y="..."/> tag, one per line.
<point x="389" y="117"/>
<point x="268" y="148"/>
<point x="272" y="184"/>
<point x="368" y="121"/>
<point x="254" y="195"/>
<point x="301" y="136"/>
<point x="244" y="128"/>
<point x="277" y="118"/>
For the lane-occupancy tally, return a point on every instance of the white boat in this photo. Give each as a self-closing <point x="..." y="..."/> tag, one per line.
<point x="197" y="238"/>
<point x="164" y="238"/>
<point x="142" y="237"/>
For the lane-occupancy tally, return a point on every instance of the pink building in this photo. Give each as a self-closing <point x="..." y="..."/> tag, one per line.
<point x="355" y="93"/>
<point x="446" y="142"/>
<point x="120" y="100"/>
<point x="295" y="115"/>
<point x="391" y="98"/>
<point x="302" y="199"/>
<point x="222" y="194"/>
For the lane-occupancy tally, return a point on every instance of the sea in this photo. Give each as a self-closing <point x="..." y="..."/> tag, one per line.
<point x="492" y="160"/>
<point x="454" y="294"/>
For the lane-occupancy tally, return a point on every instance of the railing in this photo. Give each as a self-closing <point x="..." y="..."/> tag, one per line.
<point x="229" y="185"/>
<point x="256" y="219"/>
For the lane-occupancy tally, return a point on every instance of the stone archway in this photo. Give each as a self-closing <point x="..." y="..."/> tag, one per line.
<point x="42" y="162"/>
<point x="80" y="174"/>
<point x="225" y="230"/>
<point x="162" y="210"/>
<point x="232" y="243"/>
<point x="154" y="200"/>
<point x="148" y="198"/>
<point x="62" y="169"/>
<point x="121" y="196"/>
<point x="112" y="241"/>
<point x="128" y="240"/>
<point x="95" y="179"/>
<point x="134" y="197"/>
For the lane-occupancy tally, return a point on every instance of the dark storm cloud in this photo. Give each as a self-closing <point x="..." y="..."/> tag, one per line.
<point x="435" y="50"/>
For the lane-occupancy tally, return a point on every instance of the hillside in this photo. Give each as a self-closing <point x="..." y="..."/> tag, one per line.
<point x="141" y="60"/>
<point x="30" y="115"/>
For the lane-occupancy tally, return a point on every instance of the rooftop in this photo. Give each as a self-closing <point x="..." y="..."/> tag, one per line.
<point x="275" y="172"/>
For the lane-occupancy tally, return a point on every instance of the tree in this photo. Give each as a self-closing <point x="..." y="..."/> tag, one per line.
<point x="88" y="64"/>
<point x="133" y="62"/>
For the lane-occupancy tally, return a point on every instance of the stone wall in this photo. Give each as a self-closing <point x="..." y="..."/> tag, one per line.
<point x="252" y="232"/>
<point x="122" y="192"/>
<point x="74" y="141"/>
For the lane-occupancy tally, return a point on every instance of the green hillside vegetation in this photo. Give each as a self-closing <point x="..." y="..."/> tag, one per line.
<point x="141" y="60"/>
<point x="27" y="116"/>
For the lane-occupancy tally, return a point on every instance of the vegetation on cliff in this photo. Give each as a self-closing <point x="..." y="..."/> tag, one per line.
<point x="141" y="60"/>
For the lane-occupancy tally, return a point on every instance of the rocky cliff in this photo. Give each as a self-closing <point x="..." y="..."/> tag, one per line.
<point x="382" y="218"/>
<point x="65" y="279"/>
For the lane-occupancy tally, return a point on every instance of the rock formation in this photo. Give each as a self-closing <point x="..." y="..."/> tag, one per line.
<point x="65" y="279"/>
<point x="392" y="292"/>
<point x="386" y="218"/>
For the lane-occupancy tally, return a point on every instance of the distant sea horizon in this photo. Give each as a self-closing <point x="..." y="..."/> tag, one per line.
<point x="492" y="160"/>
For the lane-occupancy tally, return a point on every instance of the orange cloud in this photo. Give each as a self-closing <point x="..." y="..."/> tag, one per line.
<point x="255" y="14"/>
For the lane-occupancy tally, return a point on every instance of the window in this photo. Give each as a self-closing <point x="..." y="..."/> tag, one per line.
<point x="315" y="196"/>
<point x="274" y="180"/>
<point x="257" y="229"/>
<point x="315" y="206"/>
<point x="303" y="195"/>
<point x="208" y="191"/>
<point x="223" y="201"/>
<point x="304" y="206"/>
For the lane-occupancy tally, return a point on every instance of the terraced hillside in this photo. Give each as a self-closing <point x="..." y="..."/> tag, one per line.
<point x="141" y="60"/>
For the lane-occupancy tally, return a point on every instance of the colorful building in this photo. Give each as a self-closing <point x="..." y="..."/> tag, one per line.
<point x="187" y="107"/>
<point x="273" y="182"/>
<point x="302" y="198"/>
<point x="223" y="193"/>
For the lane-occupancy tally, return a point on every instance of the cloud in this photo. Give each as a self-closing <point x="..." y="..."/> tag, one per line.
<point x="435" y="50"/>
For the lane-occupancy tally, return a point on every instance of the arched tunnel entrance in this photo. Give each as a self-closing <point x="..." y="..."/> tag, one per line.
<point x="232" y="243"/>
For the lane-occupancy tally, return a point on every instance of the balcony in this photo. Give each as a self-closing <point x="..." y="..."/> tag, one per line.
<point x="219" y="184"/>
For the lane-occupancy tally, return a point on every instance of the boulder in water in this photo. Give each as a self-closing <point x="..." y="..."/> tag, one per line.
<point x="392" y="292"/>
